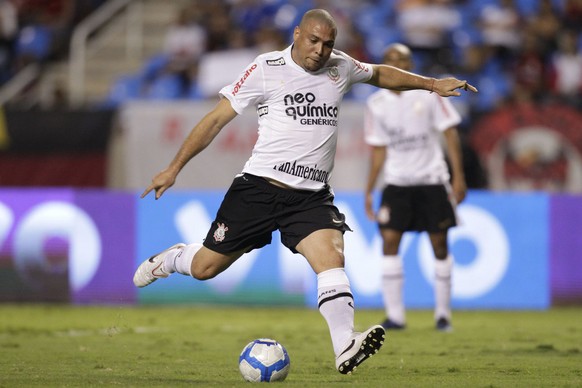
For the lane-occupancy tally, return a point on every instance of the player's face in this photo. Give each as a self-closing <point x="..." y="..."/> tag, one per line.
<point x="400" y="59"/>
<point x="313" y="44"/>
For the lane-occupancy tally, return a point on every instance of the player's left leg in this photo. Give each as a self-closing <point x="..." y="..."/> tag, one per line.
<point x="392" y="280"/>
<point x="193" y="260"/>
<point x="443" y="280"/>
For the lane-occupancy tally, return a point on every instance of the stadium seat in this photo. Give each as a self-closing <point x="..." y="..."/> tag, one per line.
<point x="378" y="38"/>
<point x="154" y="66"/>
<point x="194" y="92"/>
<point x="34" y="41"/>
<point x="165" y="87"/>
<point x="371" y="18"/>
<point x="126" y="87"/>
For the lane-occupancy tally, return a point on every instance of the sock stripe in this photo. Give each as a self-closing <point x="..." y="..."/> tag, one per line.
<point x="338" y="295"/>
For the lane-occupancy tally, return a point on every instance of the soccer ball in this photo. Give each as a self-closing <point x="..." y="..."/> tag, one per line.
<point x="264" y="360"/>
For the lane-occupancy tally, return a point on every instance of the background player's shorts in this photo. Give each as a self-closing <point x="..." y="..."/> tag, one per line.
<point x="416" y="208"/>
<point x="253" y="208"/>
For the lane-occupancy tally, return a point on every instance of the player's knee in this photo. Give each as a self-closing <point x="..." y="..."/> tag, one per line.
<point x="203" y="275"/>
<point x="390" y="248"/>
<point x="441" y="253"/>
<point x="333" y="259"/>
<point x="202" y="272"/>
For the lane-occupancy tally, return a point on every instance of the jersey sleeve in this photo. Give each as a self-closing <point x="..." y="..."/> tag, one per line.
<point x="247" y="89"/>
<point x="445" y="115"/>
<point x="357" y="71"/>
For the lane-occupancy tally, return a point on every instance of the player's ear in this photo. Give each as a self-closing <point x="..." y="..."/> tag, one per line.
<point x="296" y="32"/>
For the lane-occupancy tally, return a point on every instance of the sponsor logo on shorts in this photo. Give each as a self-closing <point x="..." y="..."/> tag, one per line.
<point x="220" y="232"/>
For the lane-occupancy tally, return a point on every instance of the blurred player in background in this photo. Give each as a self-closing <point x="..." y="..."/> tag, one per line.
<point x="404" y="130"/>
<point x="284" y="184"/>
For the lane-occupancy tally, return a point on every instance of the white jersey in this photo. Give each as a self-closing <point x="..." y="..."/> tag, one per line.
<point x="298" y="115"/>
<point x="410" y="124"/>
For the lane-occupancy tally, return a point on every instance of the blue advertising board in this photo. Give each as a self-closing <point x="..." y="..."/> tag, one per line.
<point x="500" y="250"/>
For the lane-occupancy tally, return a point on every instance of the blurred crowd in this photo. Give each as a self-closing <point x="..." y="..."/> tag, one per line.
<point x="511" y="50"/>
<point x="36" y="31"/>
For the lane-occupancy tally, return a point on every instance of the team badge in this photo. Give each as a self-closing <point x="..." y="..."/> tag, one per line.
<point x="220" y="232"/>
<point x="333" y="74"/>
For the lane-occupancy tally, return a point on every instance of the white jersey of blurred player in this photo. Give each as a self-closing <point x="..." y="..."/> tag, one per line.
<point x="410" y="124"/>
<point x="298" y="115"/>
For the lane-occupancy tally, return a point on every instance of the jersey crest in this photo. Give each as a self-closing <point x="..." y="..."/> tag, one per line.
<point x="333" y="73"/>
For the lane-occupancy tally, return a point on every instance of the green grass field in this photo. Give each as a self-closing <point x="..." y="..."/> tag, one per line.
<point x="67" y="346"/>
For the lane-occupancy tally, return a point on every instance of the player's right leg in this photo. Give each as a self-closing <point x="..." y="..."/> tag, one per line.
<point x="394" y="217"/>
<point x="360" y="347"/>
<point x="323" y="249"/>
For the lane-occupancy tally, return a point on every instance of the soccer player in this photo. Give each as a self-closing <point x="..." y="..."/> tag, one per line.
<point x="284" y="184"/>
<point x="404" y="130"/>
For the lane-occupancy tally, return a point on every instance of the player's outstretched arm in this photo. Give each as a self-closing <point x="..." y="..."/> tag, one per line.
<point x="390" y="77"/>
<point x="198" y="139"/>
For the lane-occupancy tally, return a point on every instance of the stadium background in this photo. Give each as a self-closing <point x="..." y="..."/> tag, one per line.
<point x="73" y="161"/>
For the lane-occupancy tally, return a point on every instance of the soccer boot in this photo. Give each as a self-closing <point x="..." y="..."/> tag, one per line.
<point x="443" y="324"/>
<point x="361" y="346"/>
<point x="151" y="270"/>
<point x="391" y="325"/>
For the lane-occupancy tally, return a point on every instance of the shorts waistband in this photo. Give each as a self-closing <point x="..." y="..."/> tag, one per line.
<point x="264" y="183"/>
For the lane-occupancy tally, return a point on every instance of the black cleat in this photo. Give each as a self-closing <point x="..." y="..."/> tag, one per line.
<point x="391" y="325"/>
<point x="361" y="347"/>
<point x="444" y="325"/>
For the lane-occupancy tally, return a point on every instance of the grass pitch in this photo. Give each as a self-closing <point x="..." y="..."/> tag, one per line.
<point x="71" y="346"/>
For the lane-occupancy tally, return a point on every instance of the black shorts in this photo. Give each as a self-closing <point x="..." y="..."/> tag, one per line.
<point x="253" y="208"/>
<point x="416" y="208"/>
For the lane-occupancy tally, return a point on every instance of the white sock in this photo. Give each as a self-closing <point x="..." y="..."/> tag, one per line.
<point x="392" y="282"/>
<point x="336" y="304"/>
<point x="442" y="287"/>
<point x="180" y="259"/>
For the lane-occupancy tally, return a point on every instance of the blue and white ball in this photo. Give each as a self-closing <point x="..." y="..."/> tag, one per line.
<point x="264" y="360"/>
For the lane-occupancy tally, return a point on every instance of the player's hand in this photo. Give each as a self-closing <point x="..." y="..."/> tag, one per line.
<point x="447" y="87"/>
<point x="369" y="207"/>
<point x="160" y="183"/>
<point x="459" y="190"/>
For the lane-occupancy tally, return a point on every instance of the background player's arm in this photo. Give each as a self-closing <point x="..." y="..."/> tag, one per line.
<point x="456" y="160"/>
<point x="377" y="157"/>
<point x="198" y="139"/>
<point x="390" y="77"/>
